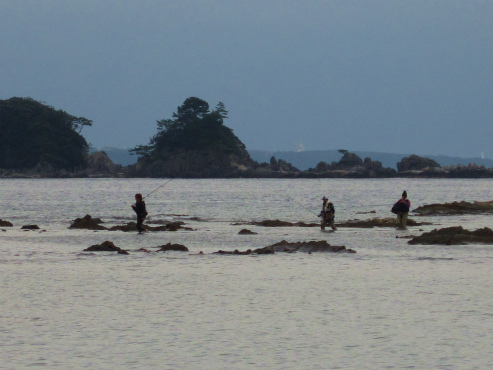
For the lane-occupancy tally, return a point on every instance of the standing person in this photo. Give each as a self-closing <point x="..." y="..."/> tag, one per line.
<point x="327" y="214"/>
<point x="401" y="208"/>
<point x="140" y="209"/>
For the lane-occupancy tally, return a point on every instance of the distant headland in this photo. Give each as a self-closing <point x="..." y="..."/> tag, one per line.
<point x="39" y="141"/>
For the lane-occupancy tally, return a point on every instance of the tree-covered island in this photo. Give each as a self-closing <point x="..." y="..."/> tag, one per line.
<point x="33" y="134"/>
<point x="194" y="143"/>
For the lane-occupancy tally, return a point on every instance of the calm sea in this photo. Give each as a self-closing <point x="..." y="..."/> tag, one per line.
<point x="390" y="306"/>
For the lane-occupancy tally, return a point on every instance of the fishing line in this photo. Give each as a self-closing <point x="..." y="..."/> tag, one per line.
<point x="301" y="205"/>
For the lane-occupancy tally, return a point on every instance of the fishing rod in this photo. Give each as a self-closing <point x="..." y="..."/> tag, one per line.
<point x="159" y="187"/>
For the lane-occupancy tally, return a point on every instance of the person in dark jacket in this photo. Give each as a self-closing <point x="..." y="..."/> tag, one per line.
<point x="140" y="209"/>
<point x="401" y="208"/>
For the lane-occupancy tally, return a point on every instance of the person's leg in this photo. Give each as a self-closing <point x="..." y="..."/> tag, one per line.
<point x="323" y="223"/>
<point x="332" y="224"/>
<point x="399" y="220"/>
<point x="404" y="220"/>
<point x="139" y="225"/>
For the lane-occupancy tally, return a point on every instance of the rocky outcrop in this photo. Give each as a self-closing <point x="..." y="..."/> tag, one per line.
<point x="30" y="227"/>
<point x="309" y="247"/>
<point x="4" y="223"/>
<point x="349" y="166"/>
<point x="287" y="247"/>
<point x="87" y="222"/>
<point x="235" y="252"/>
<point x="416" y="163"/>
<point x="172" y="247"/>
<point x="454" y="236"/>
<point x="100" y="165"/>
<point x="454" y="208"/>
<point x="246" y="232"/>
<point x="132" y="226"/>
<point x="278" y="223"/>
<point x="378" y="222"/>
<point x="106" y="246"/>
<point x="374" y="222"/>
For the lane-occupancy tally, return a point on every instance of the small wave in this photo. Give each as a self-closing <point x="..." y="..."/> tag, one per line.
<point x="434" y="259"/>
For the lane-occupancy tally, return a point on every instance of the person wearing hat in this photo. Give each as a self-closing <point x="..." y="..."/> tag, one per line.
<point x="401" y="208"/>
<point x="327" y="214"/>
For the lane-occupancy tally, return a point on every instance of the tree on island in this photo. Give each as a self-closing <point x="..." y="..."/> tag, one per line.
<point x="194" y="143"/>
<point x="33" y="133"/>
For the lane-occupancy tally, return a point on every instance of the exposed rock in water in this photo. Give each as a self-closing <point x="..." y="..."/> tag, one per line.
<point x="309" y="247"/>
<point x="246" y="232"/>
<point x="87" y="222"/>
<point x="454" y="236"/>
<point x="4" y="223"/>
<point x="284" y="246"/>
<point x="454" y="208"/>
<point x="106" y="246"/>
<point x="132" y="226"/>
<point x="235" y="252"/>
<point x="172" y="247"/>
<point x="30" y="227"/>
<point x="378" y="222"/>
<point x="278" y="223"/>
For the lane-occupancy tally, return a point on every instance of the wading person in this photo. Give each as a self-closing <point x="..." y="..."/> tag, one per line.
<point x="140" y="209"/>
<point x="327" y="214"/>
<point x="401" y="209"/>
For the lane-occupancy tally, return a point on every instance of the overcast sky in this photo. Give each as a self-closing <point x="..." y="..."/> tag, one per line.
<point x="387" y="76"/>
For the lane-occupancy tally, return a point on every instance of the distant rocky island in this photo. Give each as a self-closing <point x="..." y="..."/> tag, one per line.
<point x="39" y="141"/>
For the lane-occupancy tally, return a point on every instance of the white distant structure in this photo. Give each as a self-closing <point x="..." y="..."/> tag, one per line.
<point x="482" y="155"/>
<point x="301" y="148"/>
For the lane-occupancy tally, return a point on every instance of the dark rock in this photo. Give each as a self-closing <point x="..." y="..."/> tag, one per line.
<point x="106" y="246"/>
<point x="284" y="246"/>
<point x="378" y="222"/>
<point x="30" y="227"/>
<point x="309" y="247"/>
<point x="235" y="252"/>
<point x="455" y="208"/>
<point x="172" y="247"/>
<point x="246" y="232"/>
<point x="123" y="251"/>
<point x="350" y="160"/>
<point x="265" y="250"/>
<point x="278" y="223"/>
<point x="454" y="236"/>
<point x="87" y="222"/>
<point x="132" y="226"/>
<point x="4" y="223"/>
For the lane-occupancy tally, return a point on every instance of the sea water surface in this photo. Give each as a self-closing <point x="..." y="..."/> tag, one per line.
<point x="389" y="306"/>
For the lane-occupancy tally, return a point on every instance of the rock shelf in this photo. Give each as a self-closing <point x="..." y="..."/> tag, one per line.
<point x="456" y="235"/>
